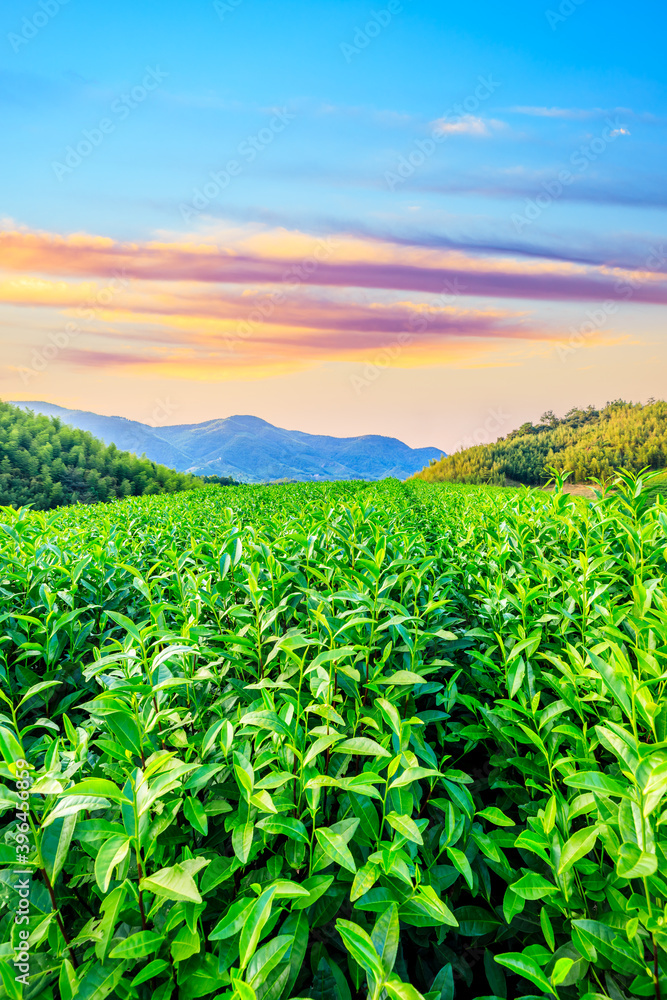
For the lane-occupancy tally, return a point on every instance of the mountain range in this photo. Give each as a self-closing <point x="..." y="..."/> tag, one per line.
<point x="250" y="449"/>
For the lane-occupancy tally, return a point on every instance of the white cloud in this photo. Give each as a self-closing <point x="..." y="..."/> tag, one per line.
<point x="570" y="113"/>
<point x="584" y="114"/>
<point x="467" y="125"/>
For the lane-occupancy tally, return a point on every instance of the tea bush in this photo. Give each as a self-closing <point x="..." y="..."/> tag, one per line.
<point x="334" y="741"/>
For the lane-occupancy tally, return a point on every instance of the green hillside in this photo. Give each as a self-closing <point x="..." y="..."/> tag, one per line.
<point x="589" y="443"/>
<point x="46" y="463"/>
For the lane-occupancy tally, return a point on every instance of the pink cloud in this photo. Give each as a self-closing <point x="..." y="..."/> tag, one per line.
<point x="393" y="268"/>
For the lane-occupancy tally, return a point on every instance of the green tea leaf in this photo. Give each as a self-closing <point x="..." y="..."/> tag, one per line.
<point x="232" y="921"/>
<point x="413" y="774"/>
<point x="254" y="922"/>
<point x="365" y="879"/>
<point x="55" y="845"/>
<point x="285" y="826"/>
<point x="361" y="947"/>
<point x="10" y="748"/>
<point x="401" y="677"/>
<point x="316" y="885"/>
<point x="99" y="787"/>
<point x="362" y="745"/>
<point x="534" y="886"/>
<point x="153" y="968"/>
<point x="112" y="854"/>
<point x="398" y="990"/>
<point x="335" y="848"/>
<point x="474" y="921"/>
<point x="610" y="944"/>
<point x="634" y="863"/>
<point x="99" y="981"/>
<point x="385" y="936"/>
<point x="172" y="883"/>
<point x="596" y="781"/>
<point x="405" y="826"/>
<point x="525" y="966"/>
<point x="196" y="814"/>
<point x="579" y="844"/>
<point x="137" y="945"/>
<point x="242" y="838"/>
<point x="496" y="816"/>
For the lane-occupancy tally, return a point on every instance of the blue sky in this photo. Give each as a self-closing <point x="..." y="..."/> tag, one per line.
<point x="409" y="135"/>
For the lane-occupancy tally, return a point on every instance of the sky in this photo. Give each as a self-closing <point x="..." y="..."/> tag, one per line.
<point x="428" y="220"/>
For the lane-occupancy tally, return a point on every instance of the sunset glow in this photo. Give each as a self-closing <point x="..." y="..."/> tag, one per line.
<point x="197" y="206"/>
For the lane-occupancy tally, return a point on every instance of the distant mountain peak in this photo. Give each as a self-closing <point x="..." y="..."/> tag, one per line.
<point x="249" y="448"/>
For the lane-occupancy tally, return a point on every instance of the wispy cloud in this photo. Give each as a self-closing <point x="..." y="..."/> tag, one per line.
<point x="585" y="114"/>
<point x="265" y="258"/>
<point x="444" y="231"/>
<point x="379" y="116"/>
<point x="260" y="302"/>
<point x="468" y="125"/>
<point x="623" y="188"/>
<point x="572" y="114"/>
<point x="188" y="306"/>
<point x="110" y="359"/>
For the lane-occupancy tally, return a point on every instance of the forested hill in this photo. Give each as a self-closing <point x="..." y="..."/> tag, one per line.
<point x="46" y="463"/>
<point x="589" y="443"/>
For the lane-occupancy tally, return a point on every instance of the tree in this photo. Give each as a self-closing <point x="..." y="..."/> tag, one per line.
<point x="587" y="441"/>
<point x="46" y="463"/>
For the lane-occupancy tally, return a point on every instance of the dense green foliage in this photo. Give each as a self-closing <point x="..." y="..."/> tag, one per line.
<point x="45" y="463"/>
<point x="220" y="481"/>
<point x="590" y="443"/>
<point x="334" y="741"/>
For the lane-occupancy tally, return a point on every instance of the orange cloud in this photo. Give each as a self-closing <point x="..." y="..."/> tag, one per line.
<point x="328" y="263"/>
<point x="274" y="301"/>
